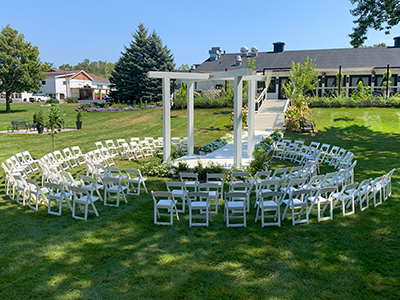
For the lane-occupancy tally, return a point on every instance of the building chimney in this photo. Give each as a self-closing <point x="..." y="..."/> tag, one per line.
<point x="244" y="50"/>
<point x="238" y="60"/>
<point x="396" y="42"/>
<point x="278" y="47"/>
<point x="215" y="53"/>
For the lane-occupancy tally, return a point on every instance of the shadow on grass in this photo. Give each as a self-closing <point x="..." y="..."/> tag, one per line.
<point x="12" y="111"/>
<point x="343" y="119"/>
<point x="223" y="112"/>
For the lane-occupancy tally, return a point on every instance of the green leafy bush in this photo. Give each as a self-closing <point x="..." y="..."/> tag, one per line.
<point x="85" y="106"/>
<point x="50" y="101"/>
<point x="71" y="100"/>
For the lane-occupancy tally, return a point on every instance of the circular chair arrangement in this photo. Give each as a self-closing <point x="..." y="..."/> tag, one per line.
<point x="300" y="189"/>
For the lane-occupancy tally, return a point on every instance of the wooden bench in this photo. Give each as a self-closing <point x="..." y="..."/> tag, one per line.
<point x="19" y="124"/>
<point x="306" y="126"/>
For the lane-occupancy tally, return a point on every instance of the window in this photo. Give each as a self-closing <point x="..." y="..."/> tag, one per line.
<point x="272" y="85"/>
<point x="99" y="86"/>
<point x="44" y="82"/>
<point x="64" y="82"/>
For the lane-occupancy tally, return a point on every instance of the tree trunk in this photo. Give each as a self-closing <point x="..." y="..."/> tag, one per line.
<point x="8" y="107"/>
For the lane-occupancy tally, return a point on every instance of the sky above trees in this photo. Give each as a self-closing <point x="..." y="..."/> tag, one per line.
<point x="65" y="35"/>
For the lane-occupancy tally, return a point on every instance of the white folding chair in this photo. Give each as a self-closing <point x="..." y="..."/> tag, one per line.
<point x="239" y="187"/>
<point x="178" y="189"/>
<point x="57" y="195"/>
<point x="111" y="147"/>
<point x="164" y="206"/>
<point x="217" y="178"/>
<point x="199" y="201"/>
<point x="235" y="208"/>
<point x="78" y="154"/>
<point x="83" y="199"/>
<point x="70" y="157"/>
<point x="87" y="183"/>
<point x="213" y="194"/>
<point x="135" y="181"/>
<point x="190" y="179"/>
<point x="36" y="194"/>
<point x="33" y="163"/>
<point x="345" y="199"/>
<point x="322" y="199"/>
<point x="298" y="205"/>
<point x="113" y="189"/>
<point x="269" y="202"/>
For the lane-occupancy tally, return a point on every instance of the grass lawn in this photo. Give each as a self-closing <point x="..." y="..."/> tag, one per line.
<point x="123" y="255"/>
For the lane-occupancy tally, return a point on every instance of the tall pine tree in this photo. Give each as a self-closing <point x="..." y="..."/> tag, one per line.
<point x="129" y="78"/>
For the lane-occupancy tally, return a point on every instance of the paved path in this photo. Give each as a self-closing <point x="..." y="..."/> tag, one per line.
<point x="267" y="119"/>
<point x="271" y="115"/>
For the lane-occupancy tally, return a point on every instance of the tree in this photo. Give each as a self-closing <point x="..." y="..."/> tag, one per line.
<point x="129" y="78"/>
<point x="302" y="78"/>
<point x="99" y="68"/>
<point x="66" y="67"/>
<point x="183" y="68"/>
<point x="20" y="67"/>
<point x="48" y="66"/>
<point x="376" y="14"/>
<point x="56" y="121"/>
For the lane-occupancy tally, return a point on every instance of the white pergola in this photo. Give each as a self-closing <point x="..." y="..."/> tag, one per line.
<point x="238" y="76"/>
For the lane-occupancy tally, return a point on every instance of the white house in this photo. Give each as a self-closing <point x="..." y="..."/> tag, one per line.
<point x="60" y="84"/>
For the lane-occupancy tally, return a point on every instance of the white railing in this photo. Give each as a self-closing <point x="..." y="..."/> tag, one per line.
<point x="261" y="98"/>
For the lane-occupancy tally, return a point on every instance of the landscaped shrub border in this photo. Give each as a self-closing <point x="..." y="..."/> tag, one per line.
<point x="93" y="107"/>
<point x="215" y="145"/>
<point x="121" y="109"/>
<point x="340" y="101"/>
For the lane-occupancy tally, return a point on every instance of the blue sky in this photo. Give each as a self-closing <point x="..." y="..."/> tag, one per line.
<point x="70" y="31"/>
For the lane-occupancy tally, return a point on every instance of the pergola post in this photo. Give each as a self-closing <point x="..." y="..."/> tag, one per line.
<point x="166" y="118"/>
<point x="190" y="117"/>
<point x="237" y="120"/>
<point x="251" y="114"/>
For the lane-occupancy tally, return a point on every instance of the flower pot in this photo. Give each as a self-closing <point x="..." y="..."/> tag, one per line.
<point x="78" y="124"/>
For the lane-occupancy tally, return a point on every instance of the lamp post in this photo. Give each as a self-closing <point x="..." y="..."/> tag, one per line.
<point x="66" y="82"/>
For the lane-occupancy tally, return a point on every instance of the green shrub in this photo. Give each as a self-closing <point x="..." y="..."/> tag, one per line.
<point x="155" y="167"/>
<point x="313" y="102"/>
<point x="326" y="102"/>
<point x="85" y="106"/>
<point x="338" y="101"/>
<point x="260" y="161"/>
<point x="71" y="100"/>
<point x="50" y="101"/>
<point x="352" y="102"/>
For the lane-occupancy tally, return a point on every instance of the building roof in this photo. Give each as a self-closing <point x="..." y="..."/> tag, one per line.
<point x="348" y="58"/>
<point x="73" y="73"/>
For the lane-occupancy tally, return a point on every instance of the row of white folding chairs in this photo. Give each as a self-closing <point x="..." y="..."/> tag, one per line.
<point x="65" y="159"/>
<point x="297" y="151"/>
<point x="136" y="148"/>
<point x="22" y="162"/>
<point x="199" y="205"/>
<point x="180" y="144"/>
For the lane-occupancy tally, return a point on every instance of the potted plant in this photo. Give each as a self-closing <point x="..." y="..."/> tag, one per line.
<point x="39" y="121"/>
<point x="78" y="120"/>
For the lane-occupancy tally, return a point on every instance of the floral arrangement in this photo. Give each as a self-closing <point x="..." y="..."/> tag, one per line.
<point x="215" y="145"/>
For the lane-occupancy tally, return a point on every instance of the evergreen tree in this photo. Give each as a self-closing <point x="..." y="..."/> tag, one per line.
<point x="129" y="78"/>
